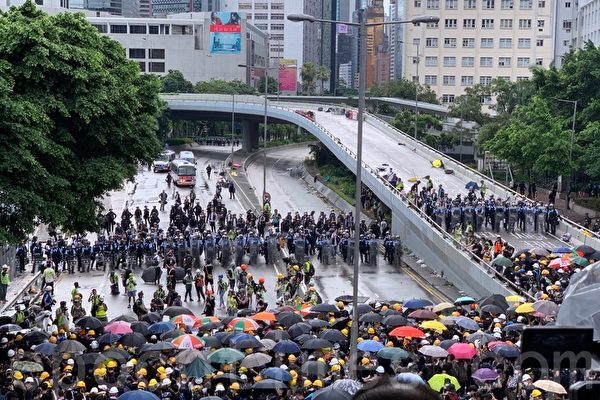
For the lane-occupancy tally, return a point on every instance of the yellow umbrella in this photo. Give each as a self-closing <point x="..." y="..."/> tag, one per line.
<point x="436" y="163"/>
<point x="525" y="309"/>
<point x="433" y="325"/>
<point x="442" y="307"/>
<point x="515" y="299"/>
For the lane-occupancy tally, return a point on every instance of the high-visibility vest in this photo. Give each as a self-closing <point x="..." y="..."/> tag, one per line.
<point x="101" y="311"/>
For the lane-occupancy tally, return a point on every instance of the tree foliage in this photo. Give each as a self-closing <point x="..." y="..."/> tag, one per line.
<point x="322" y="76"/>
<point x="273" y="86"/>
<point x="468" y="106"/>
<point x="175" y="82"/>
<point x="405" y="89"/>
<point x="219" y="86"/>
<point x="405" y="121"/>
<point x="308" y="74"/>
<point x="75" y="119"/>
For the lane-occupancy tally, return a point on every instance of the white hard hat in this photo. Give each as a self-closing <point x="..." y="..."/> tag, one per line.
<point x="379" y="370"/>
<point x="113" y="390"/>
<point x="166" y="382"/>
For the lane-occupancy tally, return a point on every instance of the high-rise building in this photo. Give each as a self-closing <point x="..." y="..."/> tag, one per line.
<point x="477" y="41"/>
<point x="377" y="52"/>
<point x="565" y="27"/>
<point x="345" y="74"/>
<point x="585" y="21"/>
<point x="395" y="34"/>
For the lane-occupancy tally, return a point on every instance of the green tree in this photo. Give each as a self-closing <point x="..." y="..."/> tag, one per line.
<point x="405" y="121"/>
<point x="76" y="117"/>
<point x="219" y="86"/>
<point x="175" y="82"/>
<point x="308" y="74"/>
<point x="405" y="89"/>
<point x="273" y="85"/>
<point x="468" y="106"/>
<point x="322" y="76"/>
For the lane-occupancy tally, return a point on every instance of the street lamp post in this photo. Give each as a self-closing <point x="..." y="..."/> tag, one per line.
<point x="362" y="78"/>
<point x="232" y="123"/>
<point x="574" y="102"/>
<point x="417" y="92"/>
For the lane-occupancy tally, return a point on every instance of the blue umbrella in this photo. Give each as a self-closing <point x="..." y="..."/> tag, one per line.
<point x="286" y="347"/>
<point x="562" y="250"/>
<point x="108" y="338"/>
<point x="161" y="327"/>
<point x="464" y="300"/>
<point x="45" y="348"/>
<point x="472" y="185"/>
<point x="467" y="323"/>
<point x="410" y="378"/>
<point x="138" y="395"/>
<point x="372" y="346"/>
<point x="277" y="373"/>
<point x="507" y="351"/>
<point x="415" y="304"/>
<point x="239" y="337"/>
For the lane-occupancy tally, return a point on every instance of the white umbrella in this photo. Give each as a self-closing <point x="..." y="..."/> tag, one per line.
<point x="550" y="386"/>
<point x="433" y="351"/>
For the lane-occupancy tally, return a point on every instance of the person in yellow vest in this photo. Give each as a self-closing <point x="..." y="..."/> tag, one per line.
<point x="4" y="282"/>
<point x="232" y="304"/>
<point x="75" y="292"/>
<point x="101" y="310"/>
<point x="62" y="316"/>
<point x="131" y="287"/>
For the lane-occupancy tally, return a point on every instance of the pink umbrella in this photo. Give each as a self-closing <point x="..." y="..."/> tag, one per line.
<point x="462" y="351"/>
<point x="118" y="328"/>
<point x="491" y="345"/>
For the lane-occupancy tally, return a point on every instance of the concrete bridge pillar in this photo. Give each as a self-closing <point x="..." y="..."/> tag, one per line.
<point x="249" y="136"/>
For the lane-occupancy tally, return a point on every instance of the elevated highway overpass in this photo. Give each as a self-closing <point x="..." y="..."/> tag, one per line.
<point x="408" y="157"/>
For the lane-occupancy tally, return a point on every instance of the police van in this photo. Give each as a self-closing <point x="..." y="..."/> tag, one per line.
<point x="163" y="162"/>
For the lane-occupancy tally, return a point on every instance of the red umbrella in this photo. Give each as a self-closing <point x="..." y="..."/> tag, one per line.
<point x="496" y="343"/>
<point x="407" y="331"/>
<point x="462" y="351"/>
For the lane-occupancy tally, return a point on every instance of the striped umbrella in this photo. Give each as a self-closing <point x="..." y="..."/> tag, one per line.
<point x="243" y="324"/>
<point x="185" y="319"/>
<point x="201" y="322"/>
<point x="187" y="342"/>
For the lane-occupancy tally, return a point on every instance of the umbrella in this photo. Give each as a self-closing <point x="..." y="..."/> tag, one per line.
<point x="371" y="318"/>
<point x="492" y="309"/>
<point x="325" y="308"/>
<point x="187" y="342"/>
<point x="70" y="346"/>
<point x="495" y="299"/>
<point x="538" y="251"/>
<point x="303" y="338"/>
<point x="502" y="261"/>
<point x="118" y="328"/>
<point x="513" y="327"/>
<point x="250" y="343"/>
<point x="299" y="328"/>
<point x="550" y="386"/>
<point x="277" y="374"/>
<point x="437" y="382"/>
<point x="423" y="314"/>
<point x="515" y="298"/>
<point x="88" y="322"/>
<point x="449" y="321"/>
<point x="507" y="351"/>
<point x="483" y="337"/>
<point x="462" y="351"/>
<point x="333" y="335"/>
<point x="410" y="378"/>
<point x="339" y="323"/>
<point x="91" y="360"/>
<point x="580" y="261"/>
<point x="316" y="343"/>
<point x="562" y="250"/>
<point x="225" y="356"/>
<point x="187" y="356"/>
<point x="461" y="301"/>
<point x="152" y="317"/>
<point x="277" y="335"/>
<point x="133" y="339"/>
<point x="140" y="327"/>
<point x="560" y="263"/>
<point x="433" y="326"/>
<point x="35" y="337"/>
<point x="433" y="351"/>
<point x="125" y="318"/>
<point x="394" y="320"/>
<point x="485" y="375"/>
<point x="437" y="163"/>
<point x="495" y="343"/>
<point x="317" y="324"/>
<point x="472" y="185"/>
<point x="331" y="393"/>
<point x="45" y="349"/>
<point x="347" y="385"/>
<point x="227" y="378"/>
<point x="27" y="366"/>
<point x="414" y="304"/>
<point x="108" y="338"/>
<point x="267" y="344"/>
<point x="467" y="323"/>
<point x="269" y="384"/>
<point x="314" y="368"/>
<point x="185" y="319"/>
<point x="393" y="354"/>
<point x="198" y="368"/>
<point x="264" y="316"/>
<point x="175" y="333"/>
<point x="288" y="318"/>
<point x="364" y="308"/>
<point x="203" y="321"/>
<point x="407" y="331"/>
<point x="372" y="346"/>
<point x="256" y="360"/>
<point x="443" y="307"/>
<point x="174" y="311"/>
<point x="233" y="337"/>
<point x="546" y="307"/>
<point x="595" y="256"/>
<point x="585" y="250"/>
<point x="211" y="341"/>
<point x="286" y="347"/>
<point x="138" y="395"/>
<point x="446" y="344"/>
<point x="8" y="328"/>
<point x="243" y="324"/>
<point x="161" y="327"/>
<point x="525" y="308"/>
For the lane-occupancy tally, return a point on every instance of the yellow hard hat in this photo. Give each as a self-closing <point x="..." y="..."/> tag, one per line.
<point x="536" y="393"/>
<point x="293" y="382"/>
<point x="320" y="359"/>
<point x="52" y="339"/>
<point x="142" y="372"/>
<point x="318" y="383"/>
<point x="360" y="339"/>
<point x="153" y="382"/>
<point x="160" y="370"/>
<point x="134" y="361"/>
<point x="291" y="358"/>
<point x="111" y="364"/>
<point x="371" y="331"/>
<point x="279" y="276"/>
<point x="340" y="305"/>
<point x="365" y="361"/>
<point x="91" y="332"/>
<point x="384" y="308"/>
<point x="81" y="384"/>
<point x="296" y="268"/>
<point x="345" y="332"/>
<point x="389" y="344"/>
<point x="141" y="385"/>
<point x="18" y="375"/>
<point x="335" y="368"/>
<point x="294" y="374"/>
<point x="342" y="362"/>
<point x="257" y="378"/>
<point x="226" y="368"/>
<point x="376" y="338"/>
<point x="68" y="368"/>
<point x="235" y="386"/>
<point x="397" y="306"/>
<point x="44" y="375"/>
<point x="99" y="372"/>
<point x="242" y="370"/>
<point x="307" y="383"/>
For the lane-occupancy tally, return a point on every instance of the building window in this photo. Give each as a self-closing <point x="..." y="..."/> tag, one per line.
<point x="261" y="16"/>
<point x="449" y="80"/>
<point x="416" y="41"/>
<point x="487" y="23"/>
<point x="451" y="4"/>
<point x="277" y="16"/>
<point x="541" y="4"/>
<point x="522" y="78"/>
<point x="504" y="61"/>
<point x="539" y="62"/>
<point x="525" y="4"/>
<point x="567" y="4"/>
<point x="431" y="80"/>
<point x="153" y="29"/>
<point x="505" y="43"/>
<point x="524" y="24"/>
<point x="507" y="4"/>
<point x="489" y="4"/>
<point x="485" y="61"/>
<point x="447" y="98"/>
<point x="100" y="27"/>
<point x="567" y="23"/>
<point x="276" y="27"/>
<point x="469" y="23"/>
<point x="137" y="29"/>
<point x="261" y="6"/>
<point x="262" y="27"/>
<point x="539" y="42"/>
<point x="506" y="23"/>
<point x="277" y="6"/>
<point x="450" y="43"/>
<point x="156" y="67"/>
<point x="470" y="4"/>
<point x="468" y="61"/>
<point x="433" y="4"/>
<point x="417" y="4"/>
<point x="137" y="53"/>
<point x="449" y="61"/>
<point x="450" y="23"/>
<point x="142" y="66"/>
<point x="431" y="61"/>
<point x="487" y="43"/>
<point x="485" y="80"/>
<point x="431" y="42"/>
<point x="118" y="29"/>
<point x="466" y="80"/>
<point x="524" y="43"/>
<point x="157" y="54"/>
<point x="468" y="43"/>
<point x="432" y="25"/>
<point x="541" y="24"/>
<point x="523" y="62"/>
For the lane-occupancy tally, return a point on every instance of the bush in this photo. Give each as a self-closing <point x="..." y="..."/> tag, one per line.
<point x="178" y="141"/>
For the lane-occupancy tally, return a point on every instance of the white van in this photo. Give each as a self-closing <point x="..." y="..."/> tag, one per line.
<point x="187" y="156"/>
<point x="163" y="161"/>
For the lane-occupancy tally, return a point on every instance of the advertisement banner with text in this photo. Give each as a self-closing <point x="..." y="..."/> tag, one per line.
<point x="288" y="82"/>
<point x="225" y="33"/>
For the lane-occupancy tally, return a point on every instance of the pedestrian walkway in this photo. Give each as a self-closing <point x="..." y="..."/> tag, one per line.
<point x="245" y="191"/>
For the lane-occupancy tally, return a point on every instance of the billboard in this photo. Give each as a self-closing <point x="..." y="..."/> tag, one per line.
<point x="225" y="33"/>
<point x="288" y="76"/>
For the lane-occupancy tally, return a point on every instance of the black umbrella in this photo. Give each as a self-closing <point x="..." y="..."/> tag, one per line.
<point x="492" y="309"/>
<point x="171" y="334"/>
<point x="124" y="318"/>
<point x="211" y="341"/>
<point x="245" y="312"/>
<point x="314" y="368"/>
<point x="149" y="275"/>
<point x="299" y="328"/>
<point x="117" y="354"/>
<point x="174" y="311"/>
<point x="325" y="308"/>
<point x="316" y="343"/>
<point x="339" y="323"/>
<point x="371" y="318"/>
<point x="394" y="320"/>
<point x="586" y="250"/>
<point x="88" y="322"/>
<point x="249" y="343"/>
<point x="35" y="338"/>
<point x="277" y="335"/>
<point x="108" y="338"/>
<point x="364" y="308"/>
<point x="445" y="344"/>
<point x="495" y="299"/>
<point x="152" y="317"/>
<point x="333" y="335"/>
<point x="226" y="378"/>
<point x="595" y="256"/>
<point x="288" y="319"/>
<point x="70" y="346"/>
<point x="514" y="327"/>
<point x="317" y="323"/>
<point x="140" y="327"/>
<point x="227" y="320"/>
<point x="91" y="359"/>
<point x="158" y="346"/>
<point x="46" y="349"/>
<point x="133" y="339"/>
<point x="303" y="338"/>
<point x="269" y="384"/>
